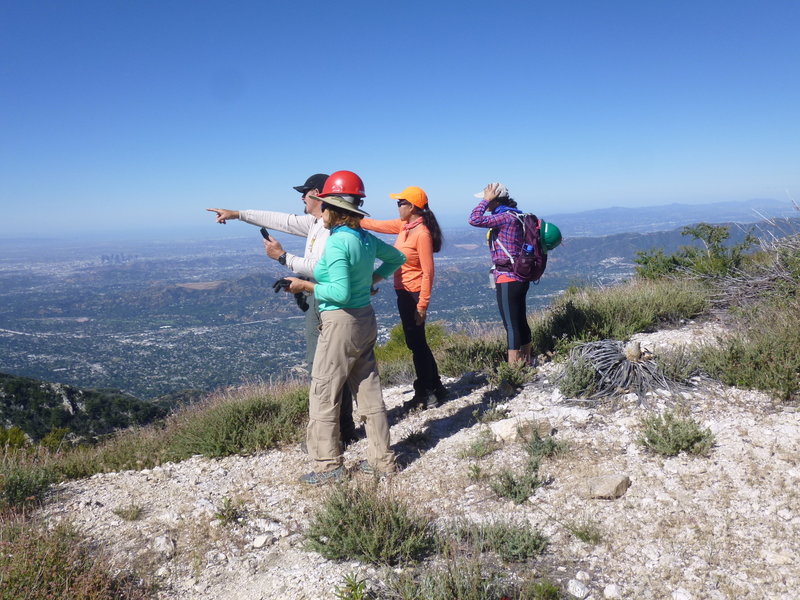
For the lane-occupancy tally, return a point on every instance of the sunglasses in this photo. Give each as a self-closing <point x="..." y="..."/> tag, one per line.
<point x="324" y="207"/>
<point x="403" y="203"/>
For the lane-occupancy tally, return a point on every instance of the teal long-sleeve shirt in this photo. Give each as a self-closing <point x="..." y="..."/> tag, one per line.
<point x="344" y="273"/>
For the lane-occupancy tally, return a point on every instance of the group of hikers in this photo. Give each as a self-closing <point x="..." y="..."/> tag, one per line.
<point x="336" y="277"/>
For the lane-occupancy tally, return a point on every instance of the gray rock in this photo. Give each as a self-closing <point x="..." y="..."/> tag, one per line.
<point x="606" y="486"/>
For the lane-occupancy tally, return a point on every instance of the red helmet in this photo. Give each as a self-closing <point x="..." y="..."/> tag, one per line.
<point x="343" y="182"/>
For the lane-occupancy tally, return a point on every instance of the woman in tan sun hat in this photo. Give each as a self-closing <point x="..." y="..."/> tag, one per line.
<point x="418" y="237"/>
<point x="345" y="353"/>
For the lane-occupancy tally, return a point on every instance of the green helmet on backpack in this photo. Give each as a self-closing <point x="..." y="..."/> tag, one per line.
<point x="550" y="235"/>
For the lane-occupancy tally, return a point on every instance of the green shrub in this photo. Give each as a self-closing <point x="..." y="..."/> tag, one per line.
<point x="578" y="379"/>
<point x="464" y="354"/>
<point x="241" y="425"/>
<point x="13" y="437"/>
<point x="670" y="435"/>
<point x="23" y="478"/>
<point x="465" y="578"/>
<point x="516" y="487"/>
<point x="359" y="522"/>
<point x="509" y="378"/>
<point x="678" y="364"/>
<point x="713" y="259"/>
<point x="763" y="354"/>
<point x="513" y="542"/>
<point x="41" y="562"/>
<point x="588" y="314"/>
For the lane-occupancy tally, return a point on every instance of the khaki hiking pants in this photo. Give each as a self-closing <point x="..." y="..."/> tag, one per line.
<point x="346" y="356"/>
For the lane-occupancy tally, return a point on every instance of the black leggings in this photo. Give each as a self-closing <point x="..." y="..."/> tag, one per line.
<point x="511" y="299"/>
<point x="424" y="364"/>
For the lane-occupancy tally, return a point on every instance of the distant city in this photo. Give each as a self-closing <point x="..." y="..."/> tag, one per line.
<point x="157" y="317"/>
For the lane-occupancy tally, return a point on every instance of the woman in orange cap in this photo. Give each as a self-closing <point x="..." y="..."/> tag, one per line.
<point x="418" y="237"/>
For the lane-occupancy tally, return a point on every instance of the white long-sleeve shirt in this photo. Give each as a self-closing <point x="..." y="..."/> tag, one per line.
<point x="306" y="226"/>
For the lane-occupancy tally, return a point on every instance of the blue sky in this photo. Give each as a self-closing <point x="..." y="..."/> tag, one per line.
<point x="138" y="115"/>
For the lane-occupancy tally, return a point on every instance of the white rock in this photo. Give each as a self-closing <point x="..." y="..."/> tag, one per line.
<point x="577" y="589"/>
<point x="583" y="576"/>
<point x="262" y="540"/>
<point x="611" y="591"/>
<point x="681" y="594"/>
<point x="165" y="546"/>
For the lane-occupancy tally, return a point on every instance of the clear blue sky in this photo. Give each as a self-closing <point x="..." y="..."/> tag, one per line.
<point x="139" y="114"/>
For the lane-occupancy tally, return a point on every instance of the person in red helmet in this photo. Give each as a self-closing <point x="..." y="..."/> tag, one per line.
<point x="418" y="237"/>
<point x="310" y="226"/>
<point x="345" y="354"/>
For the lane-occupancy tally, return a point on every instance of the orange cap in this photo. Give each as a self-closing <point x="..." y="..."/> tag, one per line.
<point x="413" y="194"/>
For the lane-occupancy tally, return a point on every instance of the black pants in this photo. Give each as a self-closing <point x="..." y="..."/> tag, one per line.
<point x="427" y="380"/>
<point x="511" y="298"/>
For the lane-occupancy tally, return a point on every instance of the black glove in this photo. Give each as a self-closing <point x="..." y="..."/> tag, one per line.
<point x="281" y="284"/>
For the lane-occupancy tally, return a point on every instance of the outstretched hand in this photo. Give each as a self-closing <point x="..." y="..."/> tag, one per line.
<point x="223" y="214"/>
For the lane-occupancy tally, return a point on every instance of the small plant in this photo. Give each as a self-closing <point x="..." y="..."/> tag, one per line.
<point x="516" y="487"/>
<point x="476" y="473"/>
<point x="538" y="447"/>
<point x="359" y="522"/>
<point x="670" y="435"/>
<point x="417" y="438"/>
<point x="586" y="530"/>
<point x="132" y="512"/>
<point x="491" y="413"/>
<point x="508" y="378"/>
<point x="483" y="446"/>
<point x="230" y="512"/>
<point x="352" y="588"/>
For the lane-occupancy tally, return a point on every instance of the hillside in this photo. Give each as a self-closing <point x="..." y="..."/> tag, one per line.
<point x="38" y="407"/>
<point x="726" y="526"/>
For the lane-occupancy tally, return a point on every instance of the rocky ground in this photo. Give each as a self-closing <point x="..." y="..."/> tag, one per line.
<point x="723" y="526"/>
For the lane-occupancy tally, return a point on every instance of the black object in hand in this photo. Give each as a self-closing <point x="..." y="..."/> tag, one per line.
<point x="265" y="234"/>
<point x="281" y="284"/>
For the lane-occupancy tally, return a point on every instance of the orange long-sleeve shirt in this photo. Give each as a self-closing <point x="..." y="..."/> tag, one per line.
<point x="416" y="275"/>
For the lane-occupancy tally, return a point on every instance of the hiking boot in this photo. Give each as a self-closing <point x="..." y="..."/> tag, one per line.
<point x="441" y="393"/>
<point x="314" y="478"/>
<point x="367" y="468"/>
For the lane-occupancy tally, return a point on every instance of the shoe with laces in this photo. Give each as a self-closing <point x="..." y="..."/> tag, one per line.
<point x="367" y="468"/>
<point x="314" y="478"/>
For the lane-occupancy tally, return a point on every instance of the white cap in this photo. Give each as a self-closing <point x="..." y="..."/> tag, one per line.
<point x="502" y="191"/>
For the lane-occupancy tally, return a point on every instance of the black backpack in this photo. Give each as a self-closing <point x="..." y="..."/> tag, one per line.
<point x="531" y="261"/>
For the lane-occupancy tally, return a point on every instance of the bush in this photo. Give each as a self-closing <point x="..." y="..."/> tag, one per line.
<point x="359" y="522"/>
<point x="23" y="478"/>
<point x="467" y="579"/>
<point x="670" y="435"/>
<point x="463" y="354"/>
<point x="578" y="379"/>
<point x="589" y="314"/>
<point x="714" y="259"/>
<point x="240" y="425"/>
<point x="763" y="354"/>
<point x="511" y="541"/>
<point x="37" y="562"/>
